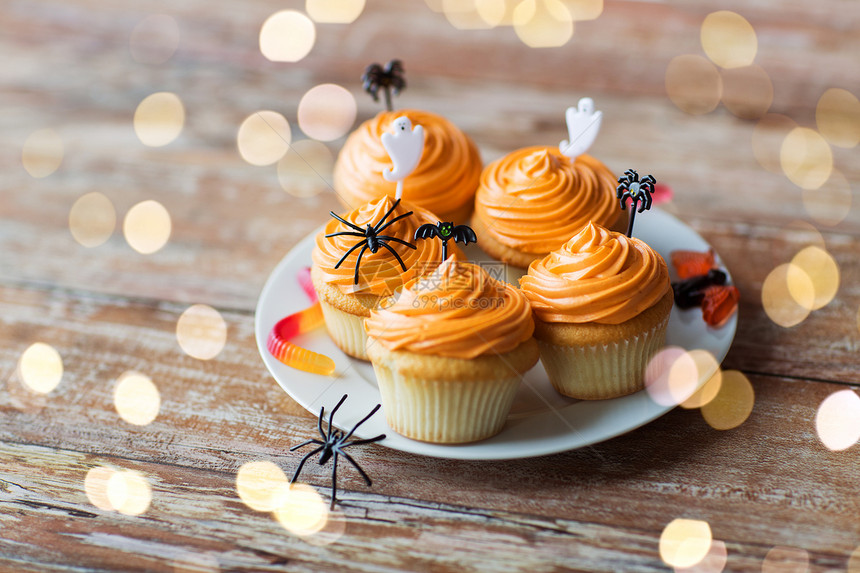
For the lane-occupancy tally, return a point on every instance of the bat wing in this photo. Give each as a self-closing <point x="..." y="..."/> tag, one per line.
<point x="464" y="234"/>
<point x="426" y="231"/>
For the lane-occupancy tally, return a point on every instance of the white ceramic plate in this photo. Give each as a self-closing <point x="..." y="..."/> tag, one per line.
<point x="541" y="421"/>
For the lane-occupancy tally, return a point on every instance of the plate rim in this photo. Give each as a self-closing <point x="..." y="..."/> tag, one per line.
<point x="475" y="450"/>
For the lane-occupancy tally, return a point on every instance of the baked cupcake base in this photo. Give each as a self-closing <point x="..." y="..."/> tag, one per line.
<point x="344" y="315"/>
<point x="449" y="400"/>
<point x="599" y="361"/>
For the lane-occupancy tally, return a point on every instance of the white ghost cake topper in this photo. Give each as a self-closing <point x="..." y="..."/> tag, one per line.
<point x="583" y="124"/>
<point x="404" y="146"/>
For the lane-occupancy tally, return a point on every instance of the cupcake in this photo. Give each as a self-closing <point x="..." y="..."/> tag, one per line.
<point x="347" y="287"/>
<point x="444" y="181"/>
<point x="601" y="305"/>
<point x="450" y="354"/>
<point x="533" y="200"/>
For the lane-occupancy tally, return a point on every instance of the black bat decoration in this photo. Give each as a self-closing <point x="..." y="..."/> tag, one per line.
<point x="446" y="231"/>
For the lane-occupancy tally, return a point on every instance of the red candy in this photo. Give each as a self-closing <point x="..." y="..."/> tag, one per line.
<point x="719" y="303"/>
<point x="280" y="347"/>
<point x="692" y="263"/>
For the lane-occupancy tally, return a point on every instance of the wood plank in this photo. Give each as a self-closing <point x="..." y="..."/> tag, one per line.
<point x="217" y="415"/>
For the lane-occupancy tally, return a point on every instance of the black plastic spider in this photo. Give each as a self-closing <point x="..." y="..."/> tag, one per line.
<point x="372" y="239"/>
<point x="390" y="78"/>
<point x="333" y="444"/>
<point x="446" y="231"/>
<point x="639" y="193"/>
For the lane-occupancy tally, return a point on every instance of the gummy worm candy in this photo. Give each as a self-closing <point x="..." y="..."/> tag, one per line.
<point x="295" y="356"/>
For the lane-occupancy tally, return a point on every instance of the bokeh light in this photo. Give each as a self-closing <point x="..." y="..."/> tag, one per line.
<point x="154" y="39"/>
<point x="332" y="531"/>
<point x="306" y="169"/>
<point x="837" y="116"/>
<point x="728" y="39"/>
<point x="838" y="420"/>
<point x="747" y="91"/>
<point x="326" y="112"/>
<point x="830" y="203"/>
<point x="714" y="562"/>
<point x="802" y="233"/>
<point x="785" y="560"/>
<point x="40" y="368"/>
<point x="128" y="492"/>
<point x="136" y="398"/>
<point x="675" y="376"/>
<point x="543" y="23"/>
<point x="690" y="370"/>
<point x="806" y="158"/>
<point x="258" y="485"/>
<point x="767" y="138"/>
<point x="300" y="509"/>
<point x="693" y="84"/>
<point x="264" y="137"/>
<point x="582" y="10"/>
<point x="780" y="304"/>
<point x="496" y="12"/>
<point x="685" y="542"/>
<point x="657" y="376"/>
<point x="822" y="271"/>
<point x="465" y="14"/>
<point x="334" y="11"/>
<point x="201" y="332"/>
<point x="42" y="153"/>
<point x="159" y="119"/>
<point x="287" y="36"/>
<point x="92" y="219"/>
<point x="733" y="404"/>
<point x="147" y="227"/>
<point x="95" y="486"/>
<point x="854" y="561"/>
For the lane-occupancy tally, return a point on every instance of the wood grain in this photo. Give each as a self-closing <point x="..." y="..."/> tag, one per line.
<point x="67" y="66"/>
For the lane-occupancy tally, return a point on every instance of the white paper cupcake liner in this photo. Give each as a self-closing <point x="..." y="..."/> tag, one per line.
<point x="602" y="371"/>
<point x="346" y="330"/>
<point x="444" y="412"/>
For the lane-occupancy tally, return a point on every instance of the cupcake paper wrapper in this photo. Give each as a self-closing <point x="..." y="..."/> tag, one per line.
<point x="346" y="330"/>
<point x="444" y="412"/>
<point x="604" y="371"/>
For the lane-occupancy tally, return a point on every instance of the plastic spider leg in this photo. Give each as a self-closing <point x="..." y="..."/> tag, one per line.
<point x="381" y="224"/>
<point x="347" y="233"/>
<point x="356" y="466"/>
<point x="319" y="424"/>
<point x="346" y="254"/>
<point x="394" y="220"/>
<point x="365" y="441"/>
<point x="334" y="410"/>
<point x="396" y="256"/>
<point x="363" y="420"/>
<point x="333" y="483"/>
<point x="396" y="240"/>
<point x="623" y="198"/>
<point x="358" y="262"/>
<point x="303" y="444"/>
<point x="347" y="223"/>
<point x="302" y="464"/>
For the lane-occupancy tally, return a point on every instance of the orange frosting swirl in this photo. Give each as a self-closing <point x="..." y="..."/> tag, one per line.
<point x="534" y="199"/>
<point x="597" y="276"/>
<point x="458" y="311"/>
<point x="379" y="272"/>
<point x="444" y="181"/>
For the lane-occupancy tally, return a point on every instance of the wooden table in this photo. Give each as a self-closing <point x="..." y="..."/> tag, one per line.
<point x="67" y="66"/>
